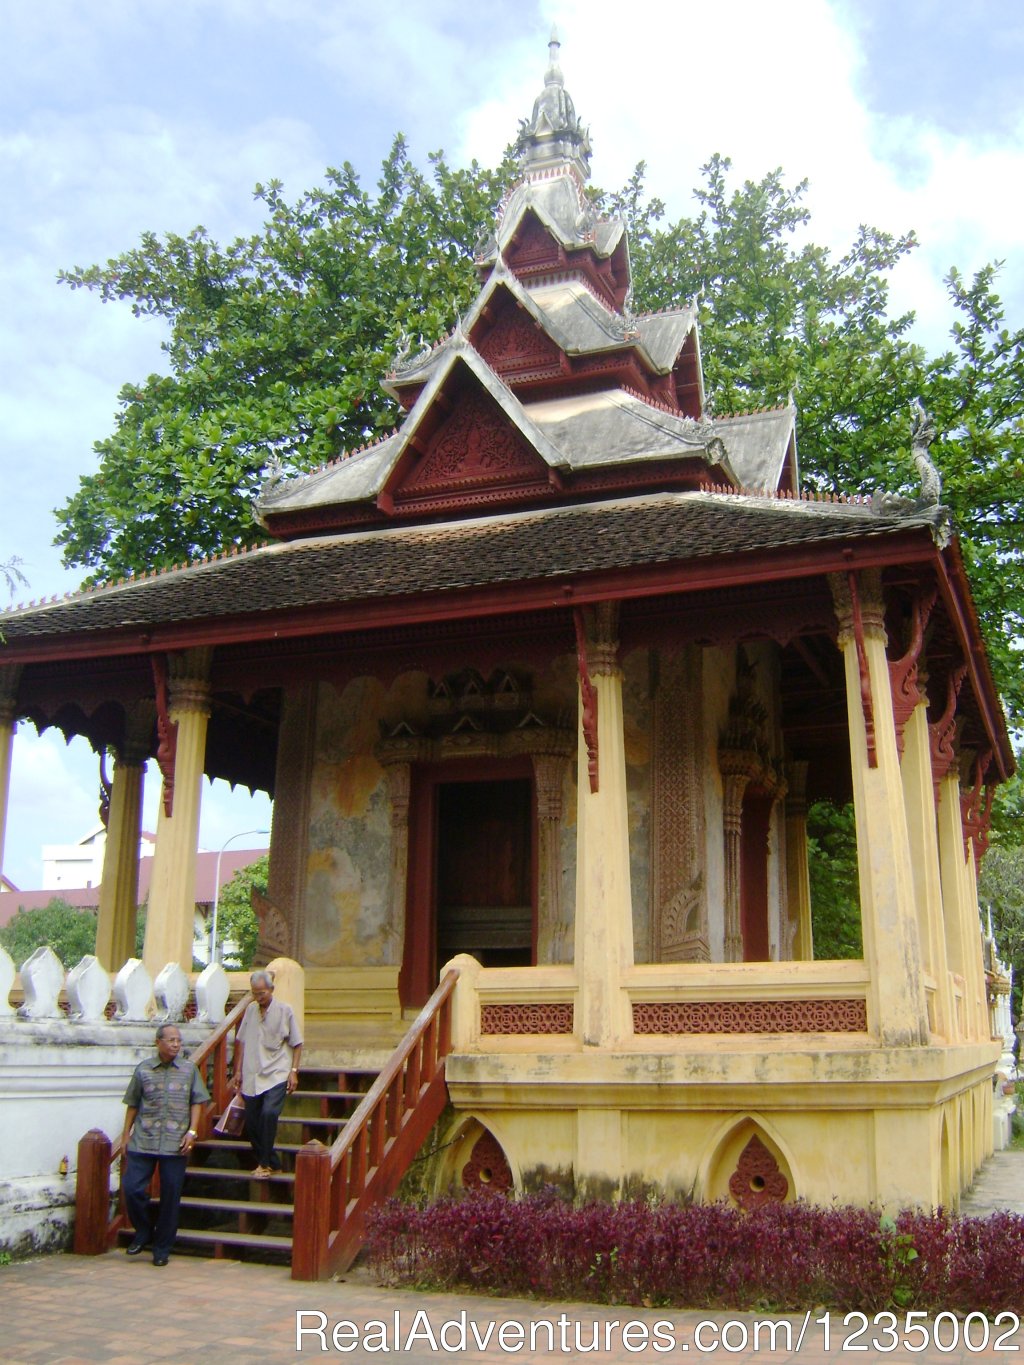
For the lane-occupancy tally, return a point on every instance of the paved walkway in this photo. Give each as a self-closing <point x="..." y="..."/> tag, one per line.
<point x="998" y="1185"/>
<point x="70" y="1310"/>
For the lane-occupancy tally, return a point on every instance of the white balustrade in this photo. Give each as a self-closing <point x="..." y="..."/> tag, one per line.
<point x="133" y="991"/>
<point x="7" y="975"/>
<point x="212" y="991"/>
<point x="171" y="991"/>
<point x="42" y="977"/>
<point x="88" y="988"/>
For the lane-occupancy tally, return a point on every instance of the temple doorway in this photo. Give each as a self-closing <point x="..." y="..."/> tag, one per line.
<point x="472" y="870"/>
<point x="485" y="872"/>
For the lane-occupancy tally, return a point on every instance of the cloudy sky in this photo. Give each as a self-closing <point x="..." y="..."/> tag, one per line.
<point x="131" y="116"/>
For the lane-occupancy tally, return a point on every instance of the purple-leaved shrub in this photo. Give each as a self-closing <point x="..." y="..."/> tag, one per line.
<point x="781" y="1256"/>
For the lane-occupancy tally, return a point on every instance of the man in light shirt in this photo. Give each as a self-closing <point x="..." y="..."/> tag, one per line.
<point x="265" y="1067"/>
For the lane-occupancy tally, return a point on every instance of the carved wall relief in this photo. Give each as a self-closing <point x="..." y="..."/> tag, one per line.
<point x="286" y="883"/>
<point x="679" y="916"/>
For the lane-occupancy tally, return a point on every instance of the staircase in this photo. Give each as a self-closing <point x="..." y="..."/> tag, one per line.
<point x="224" y="1210"/>
<point x="346" y="1137"/>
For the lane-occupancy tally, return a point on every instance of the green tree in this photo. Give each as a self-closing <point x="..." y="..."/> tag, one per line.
<point x="236" y="920"/>
<point x="70" y="933"/>
<point x="278" y="344"/>
<point x="1001" y="891"/>
<point x="10" y="572"/>
<point x="832" y="863"/>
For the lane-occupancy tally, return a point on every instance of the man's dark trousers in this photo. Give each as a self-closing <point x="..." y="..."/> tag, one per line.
<point x="138" y="1173"/>
<point x="261" y="1115"/>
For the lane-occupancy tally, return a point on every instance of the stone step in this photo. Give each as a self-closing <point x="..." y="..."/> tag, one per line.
<point x="268" y="1207"/>
<point x="257" y="1240"/>
<point x="230" y="1173"/>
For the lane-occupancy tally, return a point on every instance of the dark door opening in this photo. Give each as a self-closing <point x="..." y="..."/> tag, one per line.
<point x="757" y="814"/>
<point x="485" y="872"/>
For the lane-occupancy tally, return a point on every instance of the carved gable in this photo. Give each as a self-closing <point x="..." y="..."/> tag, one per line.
<point x="516" y="346"/>
<point x="534" y="246"/>
<point x="475" y="448"/>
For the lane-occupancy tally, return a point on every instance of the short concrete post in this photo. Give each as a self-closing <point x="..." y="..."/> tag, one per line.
<point x="42" y="977"/>
<point x="7" y="974"/>
<point x="172" y="992"/>
<point x="133" y="991"/>
<point x="88" y="988"/>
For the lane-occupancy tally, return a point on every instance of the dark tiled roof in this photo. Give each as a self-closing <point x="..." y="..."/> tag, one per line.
<point x="486" y="551"/>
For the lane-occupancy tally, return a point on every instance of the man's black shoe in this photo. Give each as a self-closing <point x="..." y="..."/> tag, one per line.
<point x="136" y="1248"/>
<point x="161" y="1260"/>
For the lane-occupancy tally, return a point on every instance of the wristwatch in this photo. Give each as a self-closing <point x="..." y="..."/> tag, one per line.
<point x="192" y="1133"/>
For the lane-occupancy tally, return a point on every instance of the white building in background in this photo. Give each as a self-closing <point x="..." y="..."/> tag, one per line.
<point x="80" y="865"/>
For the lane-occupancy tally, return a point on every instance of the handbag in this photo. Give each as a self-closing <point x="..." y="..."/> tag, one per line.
<point x="232" y="1122"/>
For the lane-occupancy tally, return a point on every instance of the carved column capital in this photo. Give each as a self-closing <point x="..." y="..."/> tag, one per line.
<point x="871" y="600"/>
<point x="10" y="677"/>
<point x="603" y="649"/>
<point x="735" y="784"/>
<point x="549" y="772"/>
<point x="399" y="779"/>
<point x="796" y="786"/>
<point x="137" y="741"/>
<point x="188" y="681"/>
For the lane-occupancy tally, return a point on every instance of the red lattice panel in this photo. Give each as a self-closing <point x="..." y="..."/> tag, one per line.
<point x="487" y="1168"/>
<point x="751" y="1016"/>
<point x="553" y="1018"/>
<point x="757" y="1179"/>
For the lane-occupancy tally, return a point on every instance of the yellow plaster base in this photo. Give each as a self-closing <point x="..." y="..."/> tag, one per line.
<point x="889" y="1127"/>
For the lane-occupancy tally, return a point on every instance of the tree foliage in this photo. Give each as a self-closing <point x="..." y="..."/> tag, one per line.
<point x="237" y="926"/>
<point x="832" y="863"/>
<point x="70" y="933"/>
<point x="1001" y="891"/>
<point x="278" y="344"/>
<point x="12" y="575"/>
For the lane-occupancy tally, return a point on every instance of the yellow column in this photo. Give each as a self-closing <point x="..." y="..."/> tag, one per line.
<point x="171" y="915"/>
<point x="604" y="916"/>
<point x="798" y="878"/>
<point x="974" y="945"/>
<point x="9" y="679"/>
<point x="954" y="897"/>
<point x="119" y="888"/>
<point x="898" y="1012"/>
<point x="919" y="801"/>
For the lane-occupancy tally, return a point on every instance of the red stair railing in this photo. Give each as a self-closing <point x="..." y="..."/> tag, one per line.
<point x="335" y="1187"/>
<point x="95" y="1230"/>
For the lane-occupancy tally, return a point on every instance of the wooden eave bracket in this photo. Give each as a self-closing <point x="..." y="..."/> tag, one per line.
<point x="866" y="699"/>
<point x="167" y="732"/>
<point x="588" y="696"/>
<point x="903" y="672"/>
<point x="942" y="732"/>
<point x="976" y="810"/>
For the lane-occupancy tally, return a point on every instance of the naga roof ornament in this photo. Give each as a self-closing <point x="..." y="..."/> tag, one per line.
<point x="553" y="135"/>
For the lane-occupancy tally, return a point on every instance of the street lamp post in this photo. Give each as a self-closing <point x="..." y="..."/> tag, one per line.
<point x="242" y="834"/>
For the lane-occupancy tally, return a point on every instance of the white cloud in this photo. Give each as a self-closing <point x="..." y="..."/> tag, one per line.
<point x="769" y="87"/>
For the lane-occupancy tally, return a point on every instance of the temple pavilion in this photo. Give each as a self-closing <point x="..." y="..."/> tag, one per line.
<point x="542" y="684"/>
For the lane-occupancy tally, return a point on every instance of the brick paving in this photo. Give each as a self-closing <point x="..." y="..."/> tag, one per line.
<point x="71" y="1310"/>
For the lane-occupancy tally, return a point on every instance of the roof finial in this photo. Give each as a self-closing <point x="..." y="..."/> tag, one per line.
<point x="553" y="75"/>
<point x="553" y="137"/>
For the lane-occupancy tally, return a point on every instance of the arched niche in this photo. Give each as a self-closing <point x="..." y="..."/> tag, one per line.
<point x="476" y="1158"/>
<point x="747" y="1165"/>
